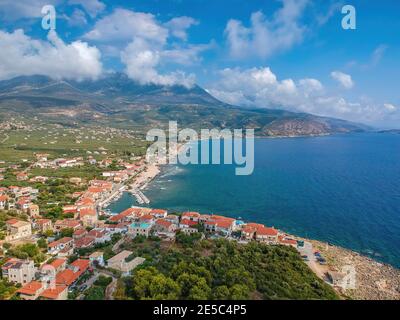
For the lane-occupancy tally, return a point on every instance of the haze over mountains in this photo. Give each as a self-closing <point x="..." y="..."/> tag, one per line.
<point x="116" y="100"/>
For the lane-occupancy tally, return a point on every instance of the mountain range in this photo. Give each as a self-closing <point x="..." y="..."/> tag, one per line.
<point x="116" y="100"/>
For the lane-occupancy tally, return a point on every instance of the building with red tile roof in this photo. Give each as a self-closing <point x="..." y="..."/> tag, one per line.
<point x="59" y="292"/>
<point x="31" y="290"/>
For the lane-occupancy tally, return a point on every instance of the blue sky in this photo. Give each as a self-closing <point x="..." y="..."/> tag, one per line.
<point x="290" y="54"/>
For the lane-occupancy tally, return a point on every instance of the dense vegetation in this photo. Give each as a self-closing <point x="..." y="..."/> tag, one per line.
<point x="221" y="269"/>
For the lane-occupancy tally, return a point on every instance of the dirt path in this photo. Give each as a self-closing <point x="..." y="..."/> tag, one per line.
<point x="109" y="294"/>
<point x="5" y="139"/>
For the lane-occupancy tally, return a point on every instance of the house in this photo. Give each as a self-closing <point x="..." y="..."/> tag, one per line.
<point x="31" y="291"/>
<point x="3" y="201"/>
<point x="99" y="236"/>
<point x="88" y="216"/>
<point x="188" y="226"/>
<point x="268" y="235"/>
<point x="59" y="292"/>
<point x="124" y="262"/>
<point x="17" y="229"/>
<point x="147" y="218"/>
<point x="287" y="241"/>
<point x="23" y="203"/>
<point x="56" y="246"/>
<point x="58" y="265"/>
<point x="19" y="271"/>
<point x="43" y="225"/>
<point x="71" y="210"/>
<point x="164" y="226"/>
<point x="193" y="216"/>
<point x="75" y="270"/>
<point x="85" y="242"/>
<point x="22" y="176"/>
<point x="97" y="258"/>
<point x="249" y="230"/>
<point x="67" y="224"/>
<point x="139" y="229"/>
<point x="127" y="215"/>
<point x="33" y="210"/>
<point x="159" y="213"/>
<point x="172" y="218"/>
<point x="79" y="233"/>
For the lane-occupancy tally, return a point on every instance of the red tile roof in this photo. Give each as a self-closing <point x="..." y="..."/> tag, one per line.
<point x="31" y="288"/>
<point x="163" y="223"/>
<point x="266" y="232"/>
<point x="53" y="293"/>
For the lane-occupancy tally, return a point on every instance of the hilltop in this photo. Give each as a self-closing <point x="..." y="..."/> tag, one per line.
<point x="118" y="101"/>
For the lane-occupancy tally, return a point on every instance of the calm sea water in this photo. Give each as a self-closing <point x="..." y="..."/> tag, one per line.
<point x="342" y="189"/>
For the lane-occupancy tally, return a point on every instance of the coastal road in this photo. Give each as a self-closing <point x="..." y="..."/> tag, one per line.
<point x="88" y="284"/>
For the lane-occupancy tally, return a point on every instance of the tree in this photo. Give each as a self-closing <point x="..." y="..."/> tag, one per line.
<point x="67" y="232"/>
<point x="151" y="284"/>
<point x="239" y="292"/>
<point x="42" y="243"/>
<point x="221" y="293"/>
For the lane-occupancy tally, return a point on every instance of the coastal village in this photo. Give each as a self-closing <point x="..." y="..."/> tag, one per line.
<point x="55" y="250"/>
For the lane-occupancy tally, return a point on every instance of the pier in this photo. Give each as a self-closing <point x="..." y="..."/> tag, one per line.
<point x="140" y="196"/>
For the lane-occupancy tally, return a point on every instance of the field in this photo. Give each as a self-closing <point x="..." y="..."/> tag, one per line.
<point x="16" y="145"/>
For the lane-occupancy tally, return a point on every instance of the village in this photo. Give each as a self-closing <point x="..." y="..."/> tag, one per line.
<point x="84" y="226"/>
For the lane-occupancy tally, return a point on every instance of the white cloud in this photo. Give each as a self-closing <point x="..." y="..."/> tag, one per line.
<point x="343" y="79"/>
<point x="260" y="87"/>
<point x="142" y="59"/>
<point x="178" y="26"/>
<point x="22" y="55"/>
<point x="92" y="7"/>
<point x="124" y="25"/>
<point x="390" y="107"/>
<point x="148" y="45"/>
<point x="265" y="37"/>
<point x="16" y="9"/>
<point x="78" y="18"/>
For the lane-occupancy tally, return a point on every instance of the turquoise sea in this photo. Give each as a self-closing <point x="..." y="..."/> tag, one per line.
<point x="343" y="189"/>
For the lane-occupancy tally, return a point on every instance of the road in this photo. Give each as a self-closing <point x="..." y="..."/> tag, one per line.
<point x="312" y="262"/>
<point x="88" y="284"/>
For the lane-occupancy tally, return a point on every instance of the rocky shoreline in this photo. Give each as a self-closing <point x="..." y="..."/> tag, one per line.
<point x="374" y="280"/>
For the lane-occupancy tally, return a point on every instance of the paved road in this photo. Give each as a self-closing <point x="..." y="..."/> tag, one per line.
<point x="88" y="284"/>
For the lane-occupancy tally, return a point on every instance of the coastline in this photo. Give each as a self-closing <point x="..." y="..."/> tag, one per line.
<point x="374" y="280"/>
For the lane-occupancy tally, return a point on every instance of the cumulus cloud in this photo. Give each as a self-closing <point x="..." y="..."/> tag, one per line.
<point x="260" y="87"/>
<point x="16" y="9"/>
<point x="343" y="79"/>
<point x="124" y="25"/>
<point x="22" y="55"/>
<point x="149" y="45"/>
<point x="77" y="18"/>
<point x="179" y="26"/>
<point x="92" y="7"/>
<point x="141" y="60"/>
<point x="265" y="37"/>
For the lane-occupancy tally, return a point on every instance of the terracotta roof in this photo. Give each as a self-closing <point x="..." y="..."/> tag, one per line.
<point x="266" y="232"/>
<point x="42" y="221"/>
<point x="82" y="264"/>
<point x="87" y="212"/>
<point x="158" y="211"/>
<point x="31" y="288"/>
<point x="58" y="263"/>
<point x="191" y="214"/>
<point x="53" y="293"/>
<point x="188" y="222"/>
<point x="84" y="242"/>
<point x="66" y="277"/>
<point x="163" y="223"/>
<point x="3" y="198"/>
<point x="146" y="217"/>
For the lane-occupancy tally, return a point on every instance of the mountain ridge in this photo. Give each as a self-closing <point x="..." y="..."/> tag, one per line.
<point x="119" y="101"/>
